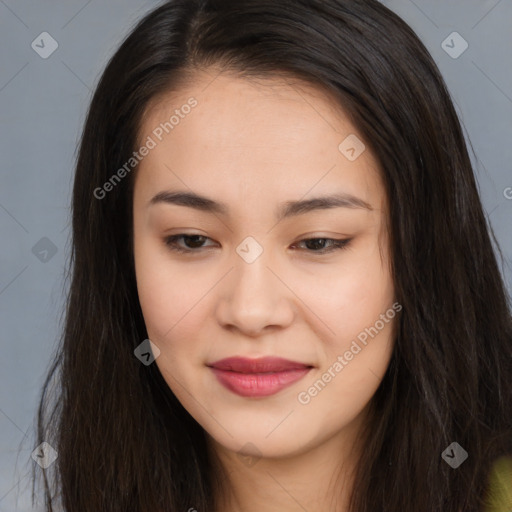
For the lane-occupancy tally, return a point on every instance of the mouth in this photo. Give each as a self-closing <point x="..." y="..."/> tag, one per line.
<point x="258" y="377"/>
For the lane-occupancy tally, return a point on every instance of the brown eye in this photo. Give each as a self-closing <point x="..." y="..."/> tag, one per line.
<point x="324" y="245"/>
<point x="191" y="242"/>
<point x="194" y="243"/>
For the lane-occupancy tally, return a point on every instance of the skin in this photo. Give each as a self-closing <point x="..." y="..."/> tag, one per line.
<point x="253" y="145"/>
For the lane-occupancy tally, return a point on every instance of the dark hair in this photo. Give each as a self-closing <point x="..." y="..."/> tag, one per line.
<point x="124" y="441"/>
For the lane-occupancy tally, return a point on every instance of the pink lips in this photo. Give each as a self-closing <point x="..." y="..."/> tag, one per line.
<point x="257" y="377"/>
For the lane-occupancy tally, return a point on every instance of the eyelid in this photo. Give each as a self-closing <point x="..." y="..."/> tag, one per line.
<point x="170" y="241"/>
<point x="335" y="243"/>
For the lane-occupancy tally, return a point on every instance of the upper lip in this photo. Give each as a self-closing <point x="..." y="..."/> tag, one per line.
<point x="259" y="365"/>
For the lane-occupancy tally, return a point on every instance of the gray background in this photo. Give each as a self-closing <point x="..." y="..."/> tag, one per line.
<point x="43" y="104"/>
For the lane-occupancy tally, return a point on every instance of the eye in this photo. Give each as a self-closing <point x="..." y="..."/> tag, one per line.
<point x="193" y="243"/>
<point x="324" y="245"/>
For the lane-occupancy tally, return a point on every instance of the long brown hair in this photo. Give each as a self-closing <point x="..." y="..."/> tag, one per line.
<point x="124" y="441"/>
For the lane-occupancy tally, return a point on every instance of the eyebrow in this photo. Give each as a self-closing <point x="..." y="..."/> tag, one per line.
<point x="285" y="210"/>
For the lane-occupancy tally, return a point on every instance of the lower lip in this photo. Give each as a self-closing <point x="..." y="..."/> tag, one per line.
<point x="258" y="384"/>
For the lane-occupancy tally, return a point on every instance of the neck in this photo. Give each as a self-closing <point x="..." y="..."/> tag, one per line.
<point x="315" y="479"/>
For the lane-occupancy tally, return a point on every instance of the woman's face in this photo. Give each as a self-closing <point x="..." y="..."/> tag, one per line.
<point x="248" y="159"/>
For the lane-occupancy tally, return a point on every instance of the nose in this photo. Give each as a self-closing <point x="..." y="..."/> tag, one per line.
<point x="255" y="299"/>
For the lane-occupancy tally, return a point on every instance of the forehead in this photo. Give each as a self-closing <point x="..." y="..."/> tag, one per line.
<point x="266" y="137"/>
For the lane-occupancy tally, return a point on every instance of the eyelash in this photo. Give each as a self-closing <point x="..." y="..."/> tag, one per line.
<point x="171" y="243"/>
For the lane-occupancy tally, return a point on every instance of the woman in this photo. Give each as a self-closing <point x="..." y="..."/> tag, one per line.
<point x="284" y="293"/>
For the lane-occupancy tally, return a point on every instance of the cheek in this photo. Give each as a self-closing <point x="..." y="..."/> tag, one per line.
<point x="360" y="291"/>
<point x="355" y="357"/>
<point x="363" y="316"/>
<point x="171" y="305"/>
<point x="166" y="292"/>
<point x="350" y="297"/>
<point x="364" y="295"/>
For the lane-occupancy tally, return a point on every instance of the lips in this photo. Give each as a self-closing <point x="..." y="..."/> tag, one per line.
<point x="262" y="365"/>
<point x="258" y="377"/>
